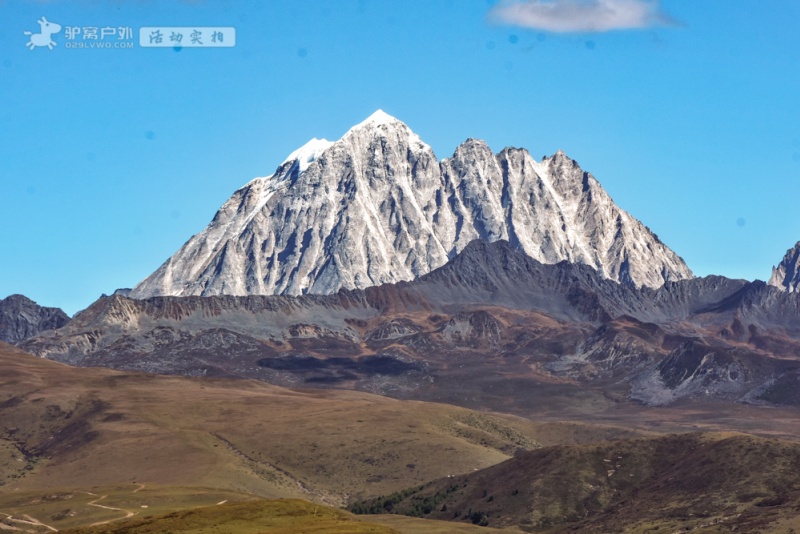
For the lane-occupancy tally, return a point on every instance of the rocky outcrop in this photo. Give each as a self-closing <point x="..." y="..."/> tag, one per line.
<point x="786" y="275"/>
<point x="21" y="318"/>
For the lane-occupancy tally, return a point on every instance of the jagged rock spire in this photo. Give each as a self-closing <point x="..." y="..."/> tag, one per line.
<point x="787" y="274"/>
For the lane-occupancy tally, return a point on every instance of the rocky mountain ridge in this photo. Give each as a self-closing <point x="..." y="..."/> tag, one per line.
<point x="21" y="318"/>
<point x="377" y="207"/>
<point x="458" y="333"/>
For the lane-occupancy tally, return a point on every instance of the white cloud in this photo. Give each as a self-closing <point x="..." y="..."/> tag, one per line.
<point x="563" y="16"/>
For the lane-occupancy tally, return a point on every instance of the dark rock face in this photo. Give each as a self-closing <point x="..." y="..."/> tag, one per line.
<point x="21" y="318"/>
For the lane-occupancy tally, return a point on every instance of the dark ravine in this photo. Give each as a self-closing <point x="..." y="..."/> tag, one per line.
<point x="489" y="329"/>
<point x="21" y="318"/>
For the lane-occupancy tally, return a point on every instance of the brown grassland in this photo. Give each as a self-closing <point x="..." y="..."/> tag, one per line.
<point x="71" y="435"/>
<point x="97" y="450"/>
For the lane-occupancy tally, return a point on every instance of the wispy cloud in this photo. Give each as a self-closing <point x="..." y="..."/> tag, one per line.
<point x="564" y="16"/>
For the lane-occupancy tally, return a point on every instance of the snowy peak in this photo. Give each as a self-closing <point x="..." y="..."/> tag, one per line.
<point x="379" y="118"/>
<point x="381" y="125"/>
<point x="377" y="207"/>
<point x="786" y="275"/>
<point x="308" y="153"/>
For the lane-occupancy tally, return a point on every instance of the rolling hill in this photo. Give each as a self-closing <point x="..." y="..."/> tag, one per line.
<point x="703" y="482"/>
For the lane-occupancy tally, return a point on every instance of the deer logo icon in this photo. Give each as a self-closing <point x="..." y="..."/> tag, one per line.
<point x="43" y="37"/>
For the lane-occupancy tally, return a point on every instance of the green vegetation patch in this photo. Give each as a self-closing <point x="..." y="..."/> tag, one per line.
<point x="407" y="502"/>
<point x="282" y="516"/>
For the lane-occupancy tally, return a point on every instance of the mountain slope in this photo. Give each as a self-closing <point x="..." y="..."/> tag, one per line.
<point x="285" y="516"/>
<point x="678" y="483"/>
<point x="68" y="427"/>
<point x="21" y="318"/>
<point x="786" y="275"/>
<point x="377" y="207"/>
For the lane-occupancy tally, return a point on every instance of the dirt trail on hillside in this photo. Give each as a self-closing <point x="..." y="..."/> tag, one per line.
<point x="128" y="513"/>
<point x="27" y="521"/>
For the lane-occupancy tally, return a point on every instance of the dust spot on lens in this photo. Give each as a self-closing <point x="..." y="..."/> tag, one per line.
<point x="740" y="222"/>
<point x="150" y="135"/>
<point x="175" y="214"/>
<point x="589" y="45"/>
<point x="513" y="39"/>
<point x="302" y="52"/>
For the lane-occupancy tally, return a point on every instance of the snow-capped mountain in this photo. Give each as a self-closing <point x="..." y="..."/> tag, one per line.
<point x="786" y="275"/>
<point x="376" y="207"/>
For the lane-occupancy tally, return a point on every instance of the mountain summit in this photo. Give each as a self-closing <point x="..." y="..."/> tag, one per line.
<point x="21" y="318"/>
<point x="377" y="207"/>
<point x="786" y="275"/>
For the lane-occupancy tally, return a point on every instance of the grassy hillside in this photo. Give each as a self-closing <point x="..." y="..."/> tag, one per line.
<point x="131" y="449"/>
<point x="44" y="510"/>
<point x="70" y="427"/>
<point x="66" y="427"/>
<point x="140" y="508"/>
<point x="275" y="516"/>
<point x="710" y="482"/>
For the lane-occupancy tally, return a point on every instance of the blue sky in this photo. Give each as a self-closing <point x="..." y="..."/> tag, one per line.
<point x="111" y="159"/>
